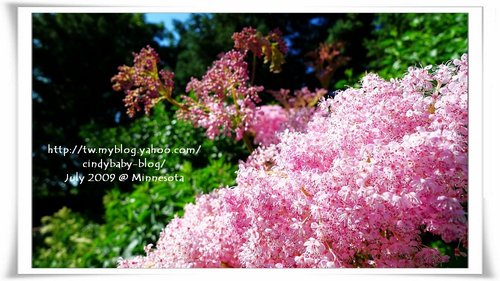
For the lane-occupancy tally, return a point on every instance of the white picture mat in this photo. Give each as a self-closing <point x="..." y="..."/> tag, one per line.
<point x="475" y="141"/>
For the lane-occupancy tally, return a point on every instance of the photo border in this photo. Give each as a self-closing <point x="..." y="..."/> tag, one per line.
<point x="475" y="212"/>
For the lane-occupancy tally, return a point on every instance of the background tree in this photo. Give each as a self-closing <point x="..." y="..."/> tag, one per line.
<point x="74" y="55"/>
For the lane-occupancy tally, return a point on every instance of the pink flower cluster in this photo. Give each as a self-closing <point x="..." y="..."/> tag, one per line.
<point x="224" y="103"/>
<point x="375" y="169"/>
<point x="142" y="83"/>
<point x="297" y="110"/>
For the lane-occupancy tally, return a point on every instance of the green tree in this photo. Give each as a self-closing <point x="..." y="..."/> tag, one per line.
<point x="74" y="56"/>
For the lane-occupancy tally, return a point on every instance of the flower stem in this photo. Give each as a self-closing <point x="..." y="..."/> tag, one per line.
<point x="167" y="94"/>
<point x="246" y="138"/>
<point x="247" y="142"/>
<point x="254" y="66"/>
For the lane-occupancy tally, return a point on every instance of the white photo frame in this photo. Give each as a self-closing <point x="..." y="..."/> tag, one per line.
<point x="475" y="137"/>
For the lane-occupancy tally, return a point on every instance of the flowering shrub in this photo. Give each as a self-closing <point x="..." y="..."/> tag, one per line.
<point x="224" y="101"/>
<point x="374" y="170"/>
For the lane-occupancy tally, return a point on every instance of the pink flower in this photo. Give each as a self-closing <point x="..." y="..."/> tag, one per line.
<point x="268" y="121"/>
<point x="271" y="120"/>
<point x="224" y="102"/>
<point x="141" y="82"/>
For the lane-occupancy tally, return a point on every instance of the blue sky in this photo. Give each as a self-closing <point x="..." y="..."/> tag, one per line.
<point x="167" y="20"/>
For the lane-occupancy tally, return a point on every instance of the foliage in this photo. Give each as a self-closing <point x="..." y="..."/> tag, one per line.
<point x="400" y="40"/>
<point x="134" y="220"/>
<point x="68" y="238"/>
<point x="161" y="129"/>
<point x="352" y="31"/>
<point x="131" y="220"/>
<point x="389" y="43"/>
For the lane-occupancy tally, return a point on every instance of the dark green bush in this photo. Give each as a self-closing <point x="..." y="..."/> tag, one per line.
<point x="400" y="40"/>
